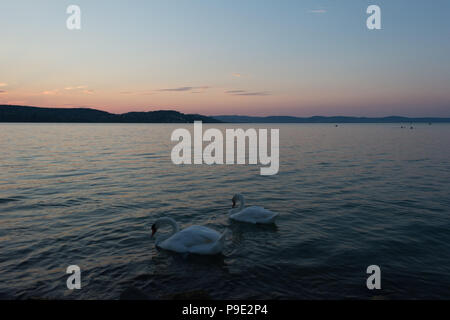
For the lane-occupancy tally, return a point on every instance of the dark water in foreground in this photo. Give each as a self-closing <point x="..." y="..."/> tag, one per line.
<point x="348" y="197"/>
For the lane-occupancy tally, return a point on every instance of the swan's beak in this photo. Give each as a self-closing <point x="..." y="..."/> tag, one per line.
<point x="234" y="203"/>
<point x="153" y="230"/>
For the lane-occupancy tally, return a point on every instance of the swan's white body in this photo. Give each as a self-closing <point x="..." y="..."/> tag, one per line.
<point x="194" y="239"/>
<point x="253" y="214"/>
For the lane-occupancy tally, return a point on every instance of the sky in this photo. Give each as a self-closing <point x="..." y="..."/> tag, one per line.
<point x="215" y="57"/>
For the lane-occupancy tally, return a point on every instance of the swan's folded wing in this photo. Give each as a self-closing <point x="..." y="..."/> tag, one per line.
<point x="255" y="214"/>
<point x="210" y="248"/>
<point x="195" y="236"/>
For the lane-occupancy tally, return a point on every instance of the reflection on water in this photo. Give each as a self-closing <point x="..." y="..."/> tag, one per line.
<point x="348" y="197"/>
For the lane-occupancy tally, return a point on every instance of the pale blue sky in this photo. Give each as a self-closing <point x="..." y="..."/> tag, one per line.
<point x="227" y="57"/>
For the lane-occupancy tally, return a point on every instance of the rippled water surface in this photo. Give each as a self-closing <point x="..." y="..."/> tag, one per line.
<point x="348" y="197"/>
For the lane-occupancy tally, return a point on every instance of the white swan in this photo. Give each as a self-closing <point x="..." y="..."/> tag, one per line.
<point x="194" y="239"/>
<point x="252" y="214"/>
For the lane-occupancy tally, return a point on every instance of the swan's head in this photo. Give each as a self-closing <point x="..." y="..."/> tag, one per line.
<point x="154" y="228"/>
<point x="237" y="197"/>
<point x="163" y="221"/>
<point x="234" y="199"/>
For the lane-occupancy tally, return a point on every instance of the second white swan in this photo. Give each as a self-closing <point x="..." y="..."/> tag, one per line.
<point x="194" y="239"/>
<point x="253" y="214"/>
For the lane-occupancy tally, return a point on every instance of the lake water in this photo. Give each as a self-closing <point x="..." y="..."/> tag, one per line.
<point x="348" y="197"/>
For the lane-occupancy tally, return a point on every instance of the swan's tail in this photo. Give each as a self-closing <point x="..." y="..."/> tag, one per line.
<point x="220" y="243"/>
<point x="273" y="218"/>
<point x="222" y="237"/>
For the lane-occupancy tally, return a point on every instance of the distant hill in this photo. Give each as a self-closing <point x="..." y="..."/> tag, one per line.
<point x="318" y="119"/>
<point x="10" y="113"/>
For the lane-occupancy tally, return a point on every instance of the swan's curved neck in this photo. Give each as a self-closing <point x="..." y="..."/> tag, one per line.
<point x="241" y="207"/>
<point x="170" y="222"/>
<point x="242" y="201"/>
